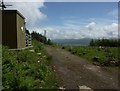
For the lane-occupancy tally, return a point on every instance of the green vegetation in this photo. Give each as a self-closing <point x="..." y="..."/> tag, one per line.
<point x="104" y="56"/>
<point x="27" y="69"/>
<point x="102" y="52"/>
<point x="41" y="38"/>
<point x="105" y="42"/>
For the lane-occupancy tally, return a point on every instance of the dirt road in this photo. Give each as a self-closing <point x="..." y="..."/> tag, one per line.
<point x="74" y="72"/>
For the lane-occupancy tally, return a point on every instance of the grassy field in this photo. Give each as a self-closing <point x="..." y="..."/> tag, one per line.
<point x="27" y="69"/>
<point x="104" y="56"/>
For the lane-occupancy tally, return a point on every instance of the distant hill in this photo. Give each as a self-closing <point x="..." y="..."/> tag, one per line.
<point x="72" y="42"/>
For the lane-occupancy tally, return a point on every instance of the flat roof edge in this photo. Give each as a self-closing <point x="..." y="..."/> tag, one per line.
<point x="13" y="11"/>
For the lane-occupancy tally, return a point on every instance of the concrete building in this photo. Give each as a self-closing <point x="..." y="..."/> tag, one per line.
<point x="13" y="29"/>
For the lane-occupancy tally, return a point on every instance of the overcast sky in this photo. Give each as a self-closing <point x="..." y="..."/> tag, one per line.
<point x="71" y="20"/>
